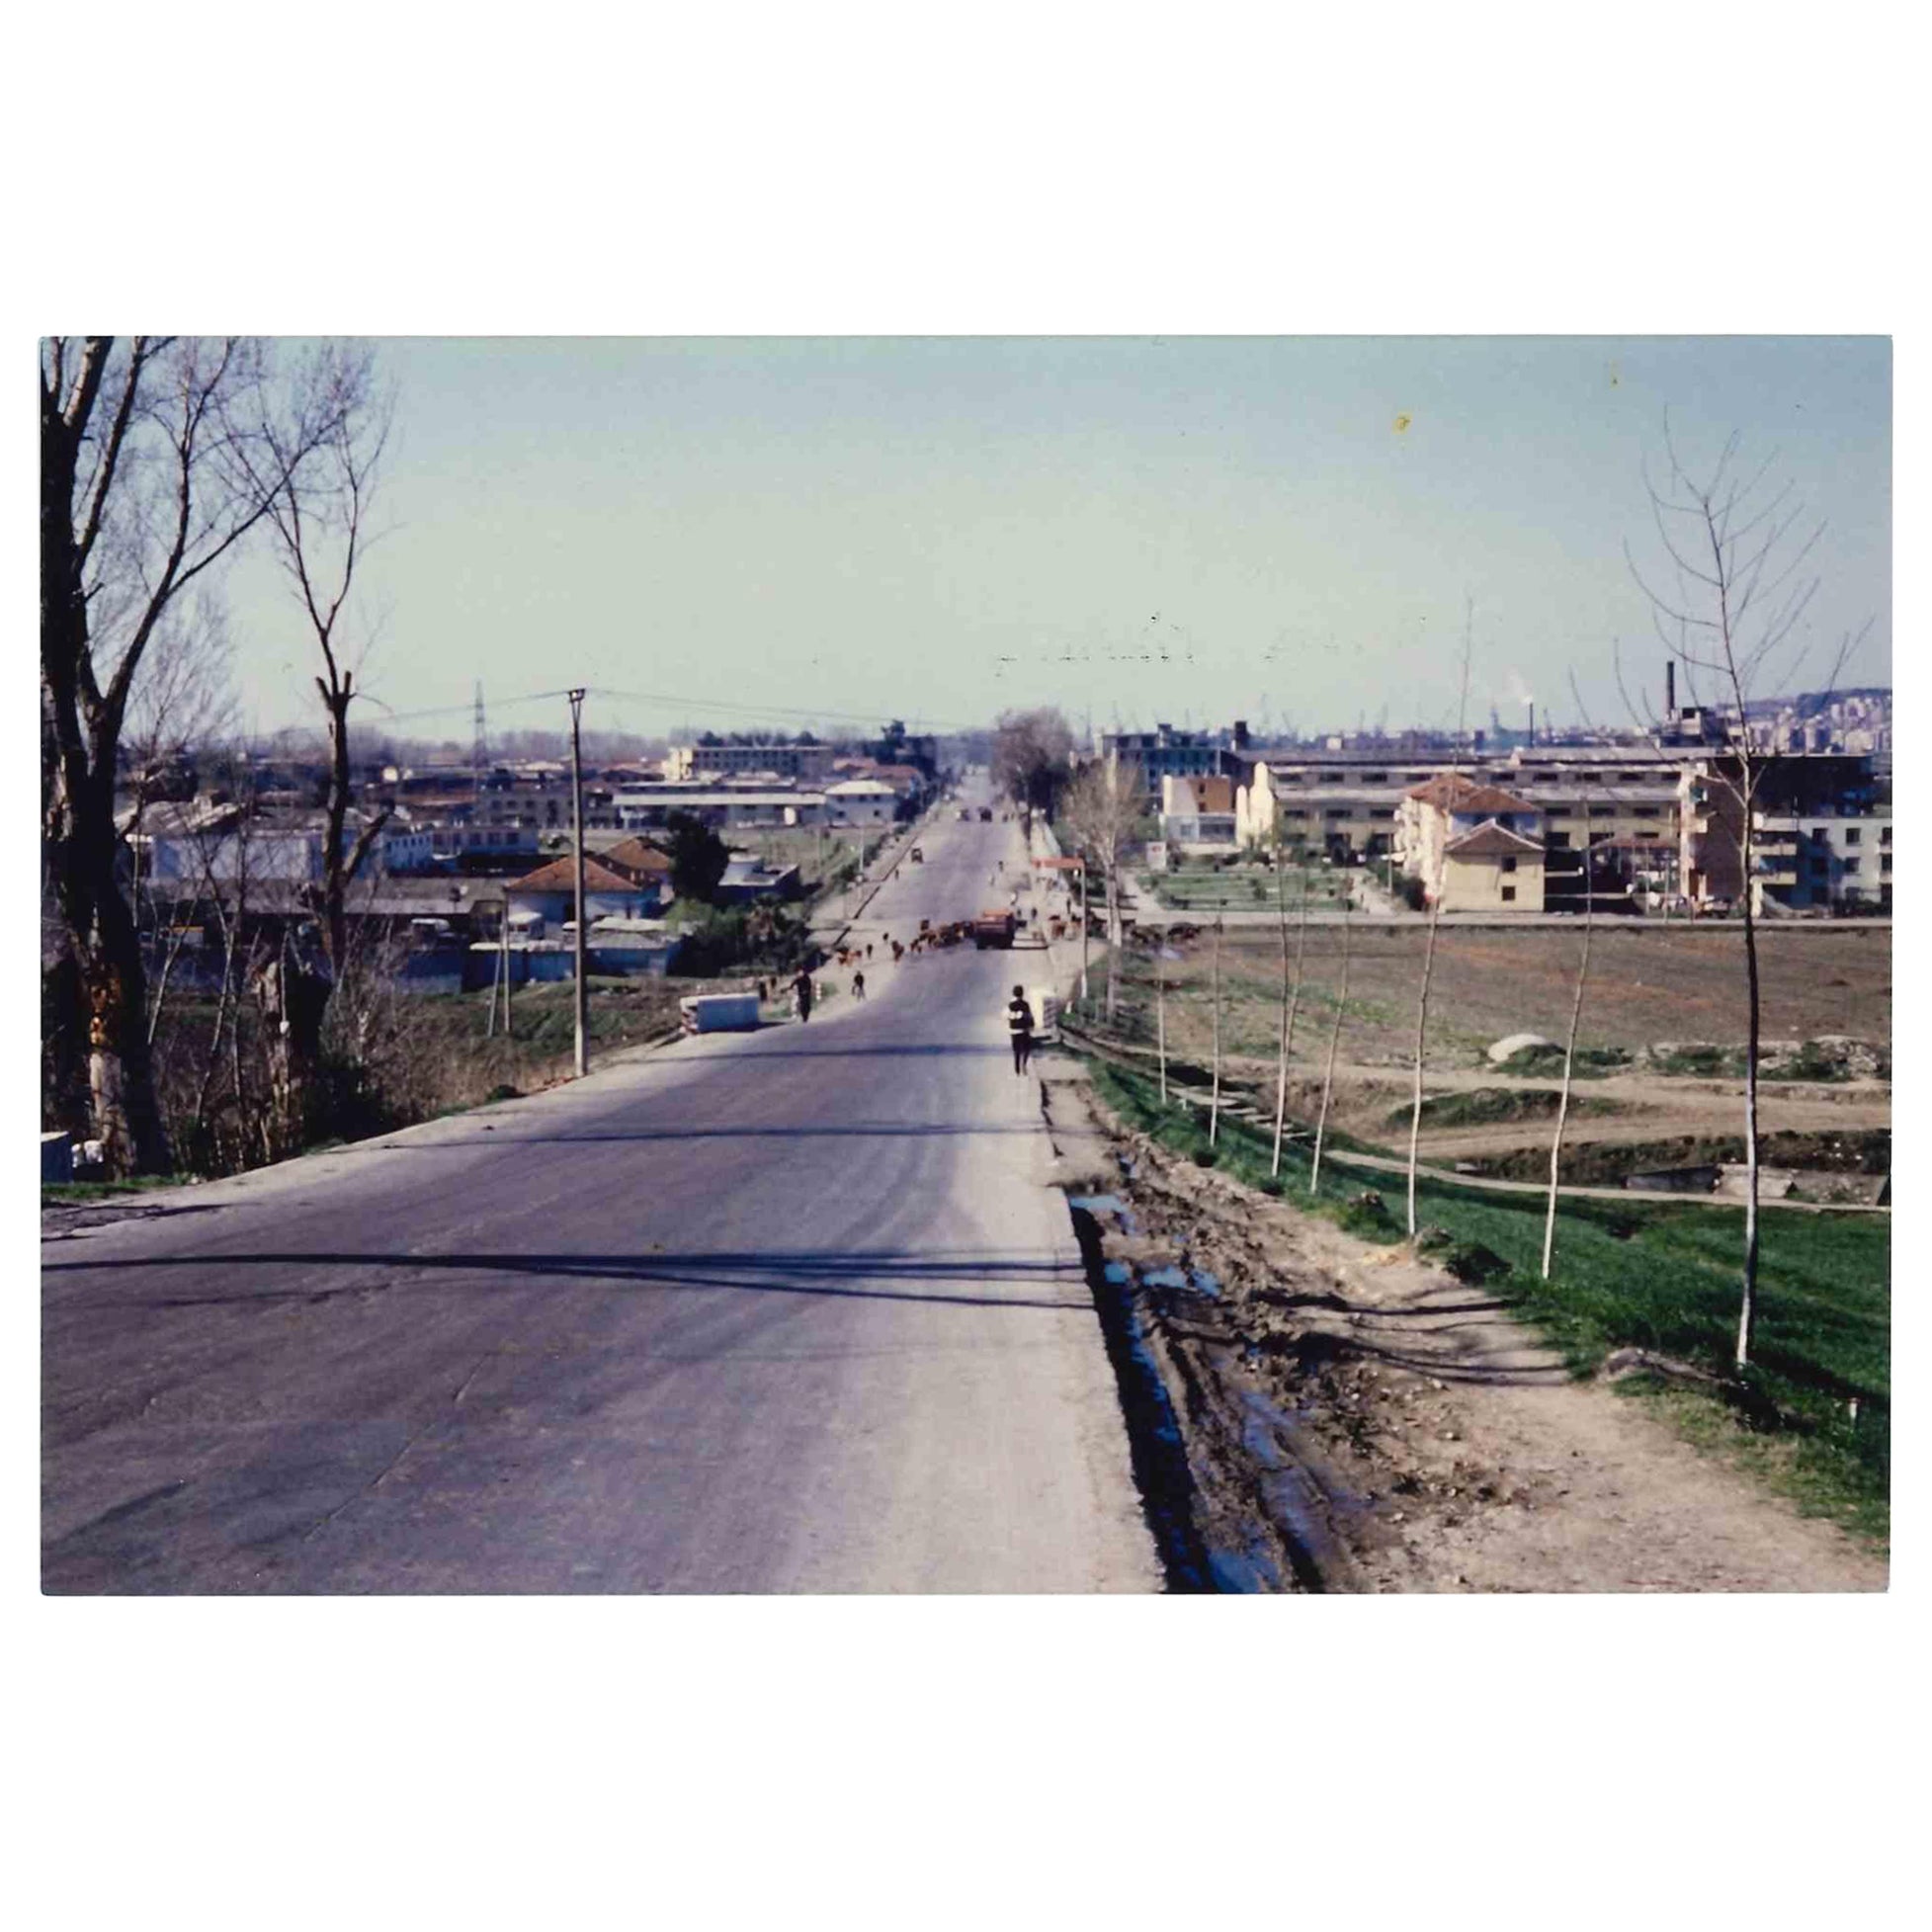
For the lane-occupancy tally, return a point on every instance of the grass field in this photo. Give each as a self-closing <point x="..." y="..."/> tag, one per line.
<point x="1681" y="985"/>
<point x="1658" y="1277"/>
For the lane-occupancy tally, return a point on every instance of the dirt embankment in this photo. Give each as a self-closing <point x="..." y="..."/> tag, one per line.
<point x="1353" y="1419"/>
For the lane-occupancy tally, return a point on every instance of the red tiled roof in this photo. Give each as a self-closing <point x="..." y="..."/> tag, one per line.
<point x="560" y="876"/>
<point x="1453" y="792"/>
<point x="1491" y="841"/>
<point x="639" y="857"/>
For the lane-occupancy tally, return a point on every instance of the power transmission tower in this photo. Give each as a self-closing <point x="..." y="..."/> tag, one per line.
<point x="478" y="746"/>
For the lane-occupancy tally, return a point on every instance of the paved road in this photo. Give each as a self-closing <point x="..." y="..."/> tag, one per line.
<point x="788" y="1311"/>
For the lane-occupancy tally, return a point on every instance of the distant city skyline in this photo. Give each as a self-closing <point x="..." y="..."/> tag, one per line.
<point x="747" y="531"/>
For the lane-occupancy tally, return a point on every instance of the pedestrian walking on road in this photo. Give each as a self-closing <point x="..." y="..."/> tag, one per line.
<point x="1019" y="1025"/>
<point x="802" y="995"/>
<point x="858" y="987"/>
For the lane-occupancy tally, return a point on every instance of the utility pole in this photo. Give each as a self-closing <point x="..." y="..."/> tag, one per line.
<point x="506" y="966"/>
<point x="577" y="821"/>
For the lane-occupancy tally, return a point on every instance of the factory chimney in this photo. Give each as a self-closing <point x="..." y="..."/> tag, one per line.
<point x="1533" y="721"/>
<point x="1671" y="690"/>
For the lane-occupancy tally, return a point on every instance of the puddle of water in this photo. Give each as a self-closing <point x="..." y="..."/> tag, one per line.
<point x="1118" y="1273"/>
<point x="1291" y="1493"/>
<point x="1243" y="1572"/>
<point x="1098" y="1203"/>
<point x="1167" y="1277"/>
<point x="1166" y="1428"/>
<point x="1207" y="1283"/>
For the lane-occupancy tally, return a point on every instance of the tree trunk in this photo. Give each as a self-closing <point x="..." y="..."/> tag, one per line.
<point x="1160" y="1012"/>
<point x="119" y="1070"/>
<point x="292" y="1002"/>
<point x="1293" y="1000"/>
<point x="1569" y="1056"/>
<point x="1421" y="1028"/>
<point x="1747" y="1309"/>
<point x="1214" y="1097"/>
<point x="66" y="1102"/>
<point x="1334" y="1046"/>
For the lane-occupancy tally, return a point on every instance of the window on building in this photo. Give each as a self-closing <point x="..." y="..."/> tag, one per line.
<point x="1852" y="835"/>
<point x="1509" y="895"/>
<point x="1884" y="862"/>
<point x="1509" y="863"/>
<point x="1559" y="841"/>
<point x="1885" y="834"/>
<point x="1851" y="865"/>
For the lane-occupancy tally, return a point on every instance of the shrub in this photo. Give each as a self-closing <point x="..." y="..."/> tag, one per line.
<point x="1471" y="1262"/>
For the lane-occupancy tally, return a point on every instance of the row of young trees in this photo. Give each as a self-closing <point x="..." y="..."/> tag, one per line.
<point x="160" y="457"/>
<point x="1729" y="597"/>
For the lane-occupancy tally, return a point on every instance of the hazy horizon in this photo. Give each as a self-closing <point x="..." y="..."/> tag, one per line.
<point x="742" y="531"/>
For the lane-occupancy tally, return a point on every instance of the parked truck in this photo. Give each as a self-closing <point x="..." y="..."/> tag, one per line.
<point x="994" y="927"/>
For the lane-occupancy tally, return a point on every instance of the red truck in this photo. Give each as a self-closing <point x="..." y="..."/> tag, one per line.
<point x="994" y="928"/>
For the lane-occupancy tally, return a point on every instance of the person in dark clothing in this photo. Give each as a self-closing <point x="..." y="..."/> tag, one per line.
<point x="802" y="994"/>
<point x="1019" y="1025"/>
<point x="858" y="987"/>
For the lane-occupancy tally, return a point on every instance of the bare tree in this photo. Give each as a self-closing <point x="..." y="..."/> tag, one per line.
<point x="1104" y="811"/>
<point x="1435" y="921"/>
<point x="1214" y="1096"/>
<point x="1570" y="1049"/>
<point x="151" y="471"/>
<point x="1291" y="995"/>
<point x="1033" y="757"/>
<point x="319" y="517"/>
<point x="1160" y="1009"/>
<point x="1334" y="1048"/>
<point x="1734" y="551"/>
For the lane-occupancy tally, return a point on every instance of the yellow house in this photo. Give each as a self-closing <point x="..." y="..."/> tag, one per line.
<point x="1492" y="870"/>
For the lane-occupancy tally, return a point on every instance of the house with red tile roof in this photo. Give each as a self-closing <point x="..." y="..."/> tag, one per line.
<point x="1476" y="847"/>
<point x="551" y="892"/>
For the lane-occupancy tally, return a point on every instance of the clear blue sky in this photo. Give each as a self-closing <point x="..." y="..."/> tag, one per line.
<point x="936" y="529"/>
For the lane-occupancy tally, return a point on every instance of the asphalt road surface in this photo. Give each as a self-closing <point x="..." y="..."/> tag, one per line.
<point x="788" y="1311"/>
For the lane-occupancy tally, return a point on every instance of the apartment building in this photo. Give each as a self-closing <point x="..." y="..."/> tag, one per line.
<point x="1165" y="753"/>
<point x="1198" y="811"/>
<point x="1823" y="859"/>
<point x="721" y="758"/>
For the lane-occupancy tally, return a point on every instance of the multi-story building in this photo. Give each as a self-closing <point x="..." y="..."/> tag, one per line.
<point x="648" y="808"/>
<point x="1163" y="753"/>
<point x="1198" y="811"/>
<point x="735" y="757"/>
<point x="1822" y="859"/>
<point x="1660" y="820"/>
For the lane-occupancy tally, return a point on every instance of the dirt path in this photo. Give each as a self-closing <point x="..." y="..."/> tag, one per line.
<point x="1402" y="1428"/>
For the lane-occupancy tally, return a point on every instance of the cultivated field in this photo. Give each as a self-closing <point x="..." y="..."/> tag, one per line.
<point x="1652" y="994"/>
<point x="1674" y="984"/>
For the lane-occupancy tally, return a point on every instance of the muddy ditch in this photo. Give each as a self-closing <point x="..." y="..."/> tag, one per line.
<point x="1291" y="1402"/>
